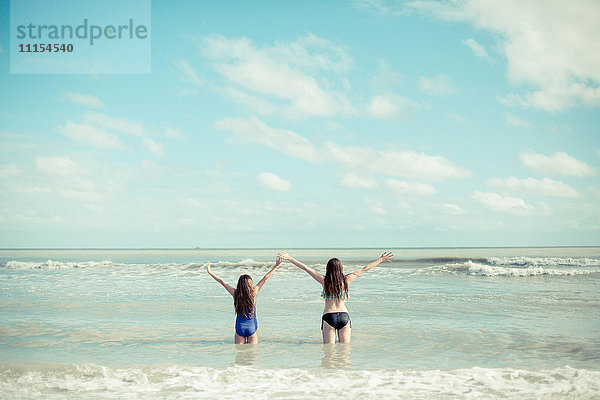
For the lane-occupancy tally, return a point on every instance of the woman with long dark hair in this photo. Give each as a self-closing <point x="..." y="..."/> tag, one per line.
<point x="244" y="301"/>
<point x="335" y="284"/>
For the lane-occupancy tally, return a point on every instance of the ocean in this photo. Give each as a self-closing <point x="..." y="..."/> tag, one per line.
<point x="439" y="323"/>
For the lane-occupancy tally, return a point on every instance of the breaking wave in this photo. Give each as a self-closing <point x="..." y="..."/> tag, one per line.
<point x="482" y="266"/>
<point x="176" y="381"/>
<point x="474" y="268"/>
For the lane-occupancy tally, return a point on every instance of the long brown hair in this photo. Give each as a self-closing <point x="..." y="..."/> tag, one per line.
<point x="335" y="286"/>
<point x="243" y="300"/>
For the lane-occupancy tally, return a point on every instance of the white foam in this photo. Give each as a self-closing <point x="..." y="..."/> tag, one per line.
<point x="50" y="264"/>
<point x="544" y="261"/>
<point x="158" y="381"/>
<point x="245" y="263"/>
<point x="503" y="266"/>
<point x="473" y="268"/>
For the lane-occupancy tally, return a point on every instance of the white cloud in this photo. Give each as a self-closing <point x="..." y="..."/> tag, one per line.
<point x="173" y="133"/>
<point x="30" y="190"/>
<point x="84" y="99"/>
<point x="283" y="72"/>
<point x="457" y="118"/>
<point x="10" y="171"/>
<point x="408" y="164"/>
<point x="557" y="128"/>
<point x="153" y="147"/>
<point x="477" y="48"/>
<point x="188" y="73"/>
<point x="504" y="204"/>
<point x="191" y="202"/>
<point x="541" y="187"/>
<point x="59" y="166"/>
<point x="350" y="156"/>
<point x="62" y="176"/>
<point x="312" y="52"/>
<point x="553" y="46"/>
<point x="32" y="216"/>
<point x="440" y="85"/>
<point x="378" y="6"/>
<point x="410" y="188"/>
<point x="274" y="182"/>
<point x="452" y="209"/>
<point x="375" y="206"/>
<point x="130" y="127"/>
<point x="385" y="77"/>
<point x="392" y="106"/>
<point x="252" y="102"/>
<point x="357" y="181"/>
<point x="516" y="122"/>
<point x="85" y="133"/>
<point x="559" y="163"/>
<point x="512" y="100"/>
<point x="441" y="9"/>
<point x="254" y="131"/>
<point x="81" y="196"/>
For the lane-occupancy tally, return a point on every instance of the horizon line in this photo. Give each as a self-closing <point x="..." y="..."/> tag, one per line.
<point x="295" y="248"/>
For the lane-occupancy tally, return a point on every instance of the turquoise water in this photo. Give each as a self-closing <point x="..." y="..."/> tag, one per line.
<point x="435" y="323"/>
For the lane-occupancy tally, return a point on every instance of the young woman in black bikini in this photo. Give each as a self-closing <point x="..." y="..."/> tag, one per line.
<point x="335" y="292"/>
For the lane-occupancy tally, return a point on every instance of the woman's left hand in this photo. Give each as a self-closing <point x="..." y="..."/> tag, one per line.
<point x="386" y="257"/>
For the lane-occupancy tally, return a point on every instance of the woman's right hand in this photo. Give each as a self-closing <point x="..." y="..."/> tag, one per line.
<point x="208" y="268"/>
<point x="284" y="256"/>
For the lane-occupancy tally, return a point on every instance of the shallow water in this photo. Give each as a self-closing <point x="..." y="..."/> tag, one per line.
<point x="435" y="323"/>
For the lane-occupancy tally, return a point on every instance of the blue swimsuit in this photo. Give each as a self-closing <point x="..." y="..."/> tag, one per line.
<point x="246" y="326"/>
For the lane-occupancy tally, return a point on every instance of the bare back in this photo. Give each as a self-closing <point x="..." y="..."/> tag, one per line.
<point x="335" y="305"/>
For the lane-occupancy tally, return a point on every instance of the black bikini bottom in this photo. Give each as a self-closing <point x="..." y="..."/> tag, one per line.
<point x="337" y="320"/>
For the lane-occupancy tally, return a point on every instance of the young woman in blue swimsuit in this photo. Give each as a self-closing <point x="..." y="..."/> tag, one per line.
<point x="335" y="292"/>
<point x="244" y="301"/>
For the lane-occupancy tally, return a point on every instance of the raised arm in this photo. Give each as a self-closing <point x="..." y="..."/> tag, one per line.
<point x="385" y="257"/>
<point x="316" y="276"/>
<point x="269" y="274"/>
<point x="230" y="289"/>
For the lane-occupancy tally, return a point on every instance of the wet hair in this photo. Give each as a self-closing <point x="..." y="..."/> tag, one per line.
<point x="335" y="286"/>
<point x="243" y="299"/>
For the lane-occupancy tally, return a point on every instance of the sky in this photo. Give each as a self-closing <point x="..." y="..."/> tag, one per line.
<point x="367" y="123"/>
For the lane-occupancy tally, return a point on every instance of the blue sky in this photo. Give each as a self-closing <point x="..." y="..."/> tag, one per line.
<point x="316" y="124"/>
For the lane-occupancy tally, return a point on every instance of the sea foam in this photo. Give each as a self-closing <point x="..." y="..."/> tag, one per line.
<point x="474" y="268"/>
<point x="50" y="264"/>
<point x="544" y="261"/>
<point x="177" y="381"/>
